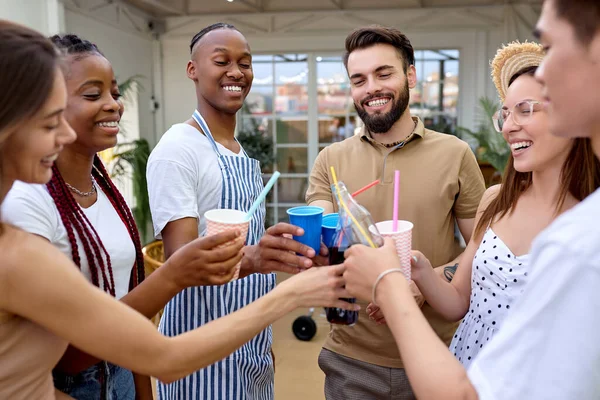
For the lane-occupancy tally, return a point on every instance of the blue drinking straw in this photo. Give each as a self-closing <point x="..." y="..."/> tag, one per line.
<point x="262" y="196"/>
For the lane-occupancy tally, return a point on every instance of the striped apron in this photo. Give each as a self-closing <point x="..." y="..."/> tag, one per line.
<point x="247" y="374"/>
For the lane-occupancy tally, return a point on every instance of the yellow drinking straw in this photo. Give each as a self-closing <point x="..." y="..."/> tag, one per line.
<point x="360" y="229"/>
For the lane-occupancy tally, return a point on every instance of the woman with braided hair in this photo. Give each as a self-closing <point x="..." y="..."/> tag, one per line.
<point x="46" y="303"/>
<point x="82" y="213"/>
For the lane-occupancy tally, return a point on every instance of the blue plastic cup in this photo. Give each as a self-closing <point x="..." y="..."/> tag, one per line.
<point x="310" y="219"/>
<point x="328" y="228"/>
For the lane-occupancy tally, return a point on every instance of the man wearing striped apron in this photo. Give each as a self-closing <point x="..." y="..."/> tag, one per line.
<point x="197" y="166"/>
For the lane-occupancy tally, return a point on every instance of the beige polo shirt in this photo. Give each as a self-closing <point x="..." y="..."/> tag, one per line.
<point x="440" y="181"/>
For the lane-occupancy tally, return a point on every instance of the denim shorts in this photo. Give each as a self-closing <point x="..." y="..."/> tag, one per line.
<point x="87" y="386"/>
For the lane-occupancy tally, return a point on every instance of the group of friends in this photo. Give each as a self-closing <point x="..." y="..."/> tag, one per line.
<point x="525" y="288"/>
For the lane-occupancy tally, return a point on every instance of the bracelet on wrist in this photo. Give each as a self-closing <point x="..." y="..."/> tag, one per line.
<point x="380" y="277"/>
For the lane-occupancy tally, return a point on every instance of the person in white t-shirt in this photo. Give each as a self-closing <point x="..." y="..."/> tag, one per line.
<point x="198" y="165"/>
<point x="81" y="212"/>
<point x="548" y="346"/>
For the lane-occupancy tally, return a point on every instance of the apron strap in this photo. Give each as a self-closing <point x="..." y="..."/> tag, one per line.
<point x="204" y="126"/>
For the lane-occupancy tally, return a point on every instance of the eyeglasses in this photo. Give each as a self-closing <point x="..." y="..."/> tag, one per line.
<point x="521" y="112"/>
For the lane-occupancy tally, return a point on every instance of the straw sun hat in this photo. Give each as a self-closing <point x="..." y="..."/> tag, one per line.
<point x="511" y="59"/>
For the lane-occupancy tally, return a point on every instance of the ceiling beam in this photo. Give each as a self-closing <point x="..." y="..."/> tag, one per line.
<point x="301" y="21"/>
<point x="272" y="23"/>
<point x="384" y="11"/>
<point x="114" y="22"/>
<point x="253" y="6"/>
<point x="239" y="22"/>
<point x="528" y="24"/>
<point x="483" y="17"/>
<point x="99" y="6"/>
<point x="338" y="4"/>
<point x="163" y="7"/>
<point x="355" y="19"/>
<point x="429" y="14"/>
<point x="131" y="20"/>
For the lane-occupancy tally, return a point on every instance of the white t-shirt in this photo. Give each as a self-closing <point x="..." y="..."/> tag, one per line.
<point x="31" y="208"/>
<point x="548" y="347"/>
<point x="184" y="177"/>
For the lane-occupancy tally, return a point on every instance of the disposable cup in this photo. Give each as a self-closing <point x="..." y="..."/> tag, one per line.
<point x="310" y="219"/>
<point x="328" y="227"/>
<point x="223" y="220"/>
<point x="403" y="238"/>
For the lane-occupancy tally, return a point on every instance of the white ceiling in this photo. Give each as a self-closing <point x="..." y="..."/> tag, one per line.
<point x="173" y="8"/>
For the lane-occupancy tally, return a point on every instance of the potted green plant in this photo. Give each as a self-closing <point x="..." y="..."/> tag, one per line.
<point x="129" y="159"/>
<point x="491" y="149"/>
<point x="258" y="144"/>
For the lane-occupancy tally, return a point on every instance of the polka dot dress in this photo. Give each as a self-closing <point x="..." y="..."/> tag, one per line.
<point x="497" y="280"/>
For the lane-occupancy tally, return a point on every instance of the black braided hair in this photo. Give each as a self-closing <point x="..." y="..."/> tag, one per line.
<point x="210" y="28"/>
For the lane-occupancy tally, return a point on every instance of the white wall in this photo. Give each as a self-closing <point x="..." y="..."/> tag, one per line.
<point x="46" y="16"/>
<point x="477" y="41"/>
<point x="129" y="53"/>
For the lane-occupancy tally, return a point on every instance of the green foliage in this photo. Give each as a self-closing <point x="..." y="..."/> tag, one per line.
<point x="491" y="146"/>
<point x="259" y="145"/>
<point x="131" y="158"/>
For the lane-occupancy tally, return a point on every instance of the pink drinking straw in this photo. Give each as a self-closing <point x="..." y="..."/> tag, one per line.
<point x="396" y="196"/>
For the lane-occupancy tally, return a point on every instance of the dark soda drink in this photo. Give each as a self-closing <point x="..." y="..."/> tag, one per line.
<point x="338" y="315"/>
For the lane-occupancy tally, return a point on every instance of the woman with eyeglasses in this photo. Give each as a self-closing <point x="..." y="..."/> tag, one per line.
<point x="545" y="176"/>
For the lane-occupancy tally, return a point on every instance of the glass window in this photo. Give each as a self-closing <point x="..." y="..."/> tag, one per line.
<point x="291" y="99"/>
<point x="292" y="190"/>
<point x="260" y="100"/>
<point x="435" y="98"/>
<point x="292" y="130"/>
<point x="261" y="125"/>
<point x="291" y="68"/>
<point x="292" y="160"/>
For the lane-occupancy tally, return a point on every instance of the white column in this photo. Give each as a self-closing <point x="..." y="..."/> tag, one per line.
<point x="313" y="111"/>
<point x="157" y="87"/>
<point x="46" y="16"/>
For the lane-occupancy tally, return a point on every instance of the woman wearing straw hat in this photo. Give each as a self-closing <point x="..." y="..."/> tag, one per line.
<point x="544" y="177"/>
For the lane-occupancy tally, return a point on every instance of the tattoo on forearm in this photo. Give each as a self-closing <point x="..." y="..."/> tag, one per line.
<point x="449" y="272"/>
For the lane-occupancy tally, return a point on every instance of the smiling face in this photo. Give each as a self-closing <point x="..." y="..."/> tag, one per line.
<point x="570" y="73"/>
<point x="533" y="146"/>
<point x="379" y="86"/>
<point x="221" y="67"/>
<point x="29" y="153"/>
<point x="94" y="108"/>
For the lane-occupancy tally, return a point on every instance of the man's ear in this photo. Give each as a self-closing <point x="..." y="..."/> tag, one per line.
<point x="411" y="75"/>
<point x="191" y="70"/>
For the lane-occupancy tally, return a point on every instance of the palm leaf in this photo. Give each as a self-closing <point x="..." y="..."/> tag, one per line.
<point x="130" y="159"/>
<point x="492" y="147"/>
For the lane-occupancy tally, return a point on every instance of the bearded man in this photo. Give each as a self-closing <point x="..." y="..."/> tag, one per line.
<point x="441" y="186"/>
